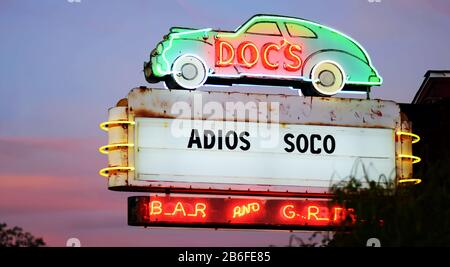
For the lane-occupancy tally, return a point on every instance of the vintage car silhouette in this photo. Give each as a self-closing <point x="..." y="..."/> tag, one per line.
<point x="266" y="50"/>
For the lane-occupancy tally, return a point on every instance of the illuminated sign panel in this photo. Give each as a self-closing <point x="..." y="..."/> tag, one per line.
<point x="318" y="143"/>
<point x="267" y="48"/>
<point x="227" y="212"/>
<point x="257" y="157"/>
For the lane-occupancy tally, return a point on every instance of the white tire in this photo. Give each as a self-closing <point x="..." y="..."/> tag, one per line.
<point x="328" y="78"/>
<point x="189" y="72"/>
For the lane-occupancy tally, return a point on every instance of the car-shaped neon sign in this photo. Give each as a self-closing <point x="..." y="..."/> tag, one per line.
<point x="267" y="49"/>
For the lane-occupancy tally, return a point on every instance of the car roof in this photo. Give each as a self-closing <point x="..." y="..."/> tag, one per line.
<point x="259" y="17"/>
<point x="268" y="17"/>
<point x="304" y="22"/>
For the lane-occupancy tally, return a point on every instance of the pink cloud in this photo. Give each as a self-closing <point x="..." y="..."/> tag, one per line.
<point x="36" y="194"/>
<point x="57" y="208"/>
<point x="59" y="144"/>
<point x="50" y="156"/>
<point x="50" y="187"/>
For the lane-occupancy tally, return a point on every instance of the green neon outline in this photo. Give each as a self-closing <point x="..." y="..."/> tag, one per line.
<point x="239" y="30"/>
<point x="171" y="37"/>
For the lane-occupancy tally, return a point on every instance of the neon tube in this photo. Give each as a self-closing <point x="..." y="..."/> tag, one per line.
<point x="412" y="180"/>
<point x="105" y="149"/>
<point x="105" y="125"/>
<point x="414" y="158"/>
<point x="105" y="171"/>
<point x="415" y="137"/>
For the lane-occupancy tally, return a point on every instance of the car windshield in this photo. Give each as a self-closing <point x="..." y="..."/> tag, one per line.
<point x="266" y="28"/>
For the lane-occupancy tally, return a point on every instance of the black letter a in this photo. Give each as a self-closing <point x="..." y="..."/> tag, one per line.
<point x="195" y="139"/>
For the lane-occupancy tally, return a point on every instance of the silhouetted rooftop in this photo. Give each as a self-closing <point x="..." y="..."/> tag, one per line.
<point x="435" y="87"/>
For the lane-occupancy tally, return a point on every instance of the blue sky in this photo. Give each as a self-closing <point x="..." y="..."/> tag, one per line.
<point x="62" y="65"/>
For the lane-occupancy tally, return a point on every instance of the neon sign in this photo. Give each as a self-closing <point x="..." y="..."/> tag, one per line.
<point x="267" y="48"/>
<point x="227" y="212"/>
<point x="178" y="210"/>
<point x="248" y="55"/>
<point x="240" y="211"/>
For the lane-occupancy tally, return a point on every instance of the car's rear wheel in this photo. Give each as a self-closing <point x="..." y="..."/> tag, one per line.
<point x="188" y="72"/>
<point x="328" y="78"/>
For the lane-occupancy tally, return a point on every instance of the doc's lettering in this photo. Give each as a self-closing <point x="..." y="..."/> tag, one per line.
<point x="247" y="54"/>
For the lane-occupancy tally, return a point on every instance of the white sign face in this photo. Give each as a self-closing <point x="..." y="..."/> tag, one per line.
<point x="257" y="154"/>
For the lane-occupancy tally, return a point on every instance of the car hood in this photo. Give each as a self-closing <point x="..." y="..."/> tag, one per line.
<point x="181" y="29"/>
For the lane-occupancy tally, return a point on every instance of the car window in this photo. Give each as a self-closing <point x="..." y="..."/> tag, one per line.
<point x="297" y="30"/>
<point x="267" y="28"/>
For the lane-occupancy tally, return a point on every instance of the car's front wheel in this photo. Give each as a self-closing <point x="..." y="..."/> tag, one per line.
<point x="188" y="72"/>
<point x="328" y="78"/>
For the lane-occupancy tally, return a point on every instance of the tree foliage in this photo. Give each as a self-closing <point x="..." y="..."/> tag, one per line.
<point x="403" y="215"/>
<point x="16" y="237"/>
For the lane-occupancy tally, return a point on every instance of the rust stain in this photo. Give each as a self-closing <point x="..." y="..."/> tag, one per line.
<point x="376" y="112"/>
<point x="145" y="102"/>
<point x="272" y="108"/>
<point x="122" y="102"/>
<point x="143" y="89"/>
<point x="152" y="114"/>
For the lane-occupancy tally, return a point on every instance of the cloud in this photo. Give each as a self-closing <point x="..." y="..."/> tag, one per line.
<point x="42" y="194"/>
<point x="17" y="144"/>
<point x="57" y="208"/>
<point x="50" y="156"/>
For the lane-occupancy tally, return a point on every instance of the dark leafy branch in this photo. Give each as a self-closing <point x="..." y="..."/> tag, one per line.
<point x="16" y="237"/>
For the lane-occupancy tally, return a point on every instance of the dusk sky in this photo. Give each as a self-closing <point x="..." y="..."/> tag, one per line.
<point x="63" y="64"/>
